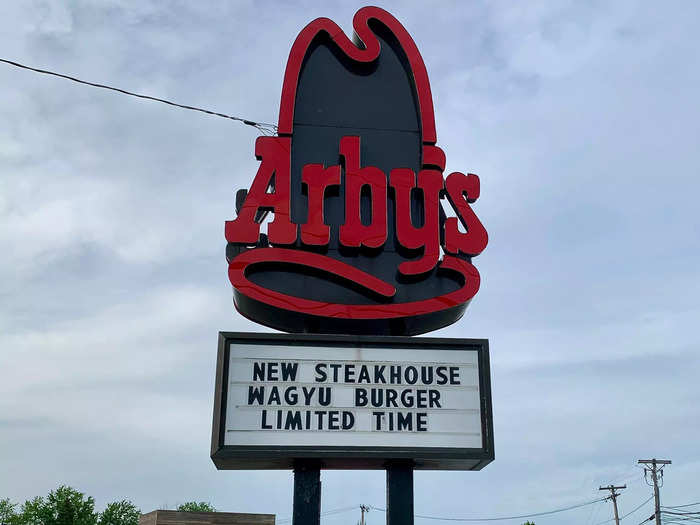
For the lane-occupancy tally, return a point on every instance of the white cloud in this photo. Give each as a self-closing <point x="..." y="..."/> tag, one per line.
<point x="580" y="121"/>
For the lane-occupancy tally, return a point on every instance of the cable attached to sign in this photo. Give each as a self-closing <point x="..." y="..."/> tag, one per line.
<point x="263" y="127"/>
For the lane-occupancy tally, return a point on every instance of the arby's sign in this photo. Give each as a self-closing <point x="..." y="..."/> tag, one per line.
<point x="370" y="235"/>
<point x="353" y="232"/>
<point x="352" y="402"/>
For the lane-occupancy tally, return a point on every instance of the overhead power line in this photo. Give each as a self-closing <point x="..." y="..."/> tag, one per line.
<point x="325" y="513"/>
<point x="263" y="127"/>
<point x="680" y="519"/>
<point x="503" y="518"/>
<point x="500" y="518"/>
<point x="630" y="512"/>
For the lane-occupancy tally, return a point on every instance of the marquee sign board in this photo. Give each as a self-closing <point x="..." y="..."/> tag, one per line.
<point x="351" y="402"/>
<point x="369" y="236"/>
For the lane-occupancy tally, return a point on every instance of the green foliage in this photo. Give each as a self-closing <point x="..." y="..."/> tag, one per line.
<point x="67" y="506"/>
<point x="529" y="523"/>
<point x="63" y="506"/>
<point x="195" y="506"/>
<point x="7" y="511"/>
<point x="120" y="513"/>
<point x="30" y="512"/>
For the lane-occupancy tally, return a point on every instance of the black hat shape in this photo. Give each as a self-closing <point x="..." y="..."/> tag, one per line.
<point x="360" y="242"/>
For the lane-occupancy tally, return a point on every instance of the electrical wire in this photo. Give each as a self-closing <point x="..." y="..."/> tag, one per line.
<point x="680" y="506"/>
<point x="630" y="512"/>
<point x="502" y="518"/>
<point x="631" y="474"/>
<point x="637" y="507"/>
<point x="263" y="127"/>
<point x="680" y="516"/>
<point x="593" y="514"/>
<point x="326" y="513"/>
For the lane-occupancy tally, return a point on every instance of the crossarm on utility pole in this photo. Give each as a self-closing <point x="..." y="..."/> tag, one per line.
<point x="613" y="496"/>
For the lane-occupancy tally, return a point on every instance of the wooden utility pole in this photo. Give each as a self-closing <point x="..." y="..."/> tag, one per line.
<point x="655" y="467"/>
<point x="363" y="509"/>
<point x="613" y="496"/>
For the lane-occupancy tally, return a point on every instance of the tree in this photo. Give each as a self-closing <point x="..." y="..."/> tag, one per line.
<point x="120" y="513"/>
<point x="67" y="506"/>
<point x="529" y="523"/>
<point x="195" y="506"/>
<point x="63" y="506"/>
<point x="7" y="511"/>
<point x="30" y="512"/>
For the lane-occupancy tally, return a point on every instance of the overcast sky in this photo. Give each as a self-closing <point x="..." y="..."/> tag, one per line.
<point x="583" y="122"/>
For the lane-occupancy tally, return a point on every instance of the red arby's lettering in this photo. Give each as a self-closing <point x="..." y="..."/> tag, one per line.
<point x="273" y="174"/>
<point x="316" y="178"/>
<point x="461" y="190"/>
<point x="403" y="181"/>
<point x="353" y="232"/>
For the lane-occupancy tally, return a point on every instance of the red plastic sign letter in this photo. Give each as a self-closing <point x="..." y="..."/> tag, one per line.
<point x="461" y="190"/>
<point x="403" y="180"/>
<point x="317" y="179"/>
<point x="274" y="155"/>
<point x="353" y="232"/>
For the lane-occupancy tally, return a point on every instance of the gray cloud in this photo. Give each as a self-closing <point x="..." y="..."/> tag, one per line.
<point x="580" y="119"/>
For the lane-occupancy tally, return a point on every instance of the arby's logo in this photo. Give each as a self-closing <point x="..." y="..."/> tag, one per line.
<point x="370" y="235"/>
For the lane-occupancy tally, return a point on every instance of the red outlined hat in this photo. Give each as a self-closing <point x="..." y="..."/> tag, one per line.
<point x="360" y="242"/>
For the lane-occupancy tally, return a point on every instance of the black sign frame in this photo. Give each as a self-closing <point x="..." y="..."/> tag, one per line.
<point x="239" y="457"/>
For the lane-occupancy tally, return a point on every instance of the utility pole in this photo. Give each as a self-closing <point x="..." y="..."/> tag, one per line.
<point x="655" y="467"/>
<point x="363" y="509"/>
<point x="613" y="496"/>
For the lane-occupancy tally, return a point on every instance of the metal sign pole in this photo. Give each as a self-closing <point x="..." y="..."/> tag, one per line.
<point x="307" y="493"/>
<point x="399" y="492"/>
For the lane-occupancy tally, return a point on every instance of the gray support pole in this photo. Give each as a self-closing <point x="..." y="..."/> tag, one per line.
<point x="307" y="493"/>
<point x="657" y="499"/>
<point x="613" y="496"/>
<point x="617" y="517"/>
<point x="655" y="467"/>
<point x="399" y="492"/>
